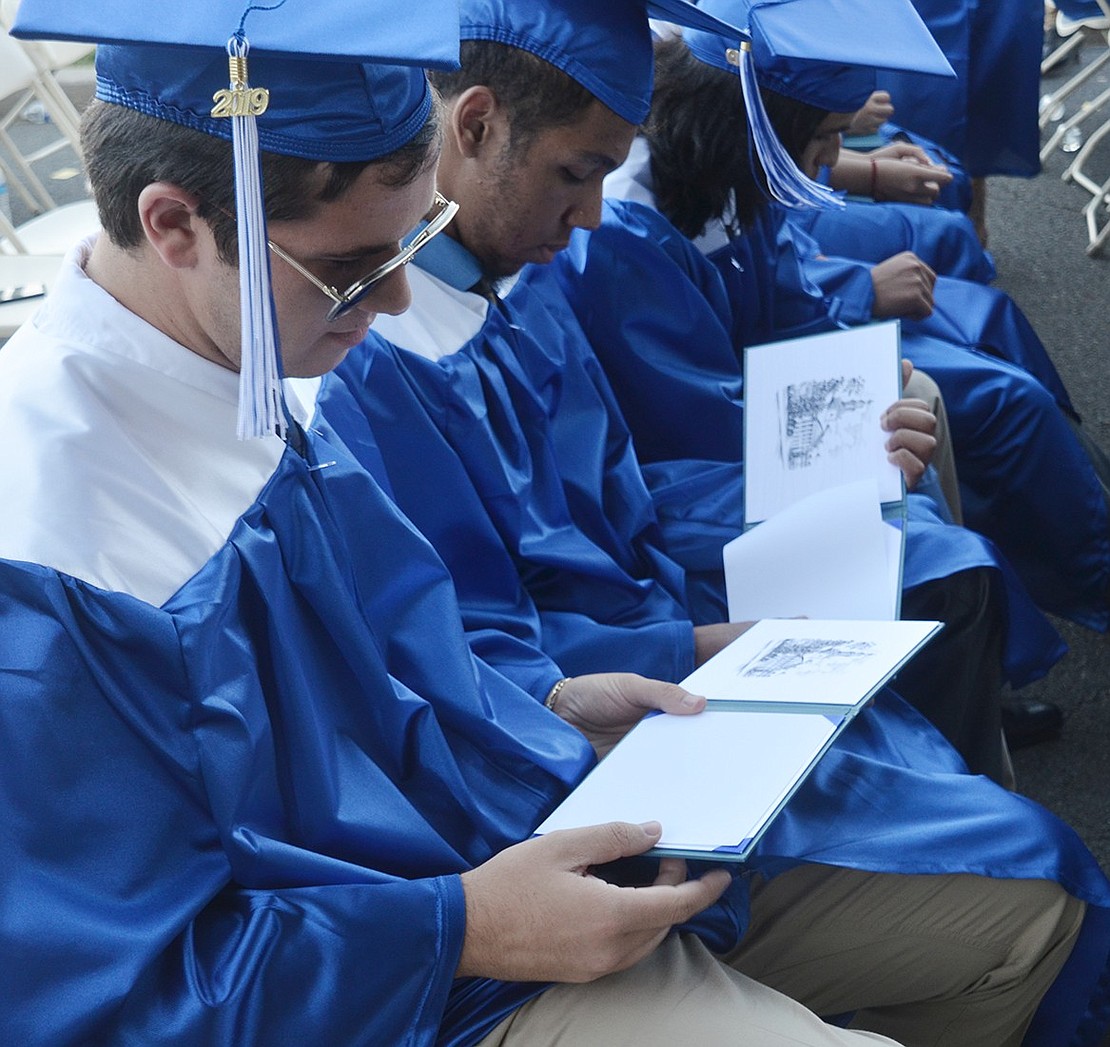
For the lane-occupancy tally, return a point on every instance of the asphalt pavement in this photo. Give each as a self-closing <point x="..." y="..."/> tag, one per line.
<point x="1038" y="235"/>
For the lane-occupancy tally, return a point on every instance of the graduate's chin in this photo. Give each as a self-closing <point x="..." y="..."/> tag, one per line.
<point x="547" y="253"/>
<point x="328" y="353"/>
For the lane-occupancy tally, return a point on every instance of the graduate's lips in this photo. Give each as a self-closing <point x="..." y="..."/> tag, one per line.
<point x="350" y="337"/>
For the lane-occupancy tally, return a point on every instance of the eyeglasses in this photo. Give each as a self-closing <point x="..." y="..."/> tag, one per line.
<point x="437" y="219"/>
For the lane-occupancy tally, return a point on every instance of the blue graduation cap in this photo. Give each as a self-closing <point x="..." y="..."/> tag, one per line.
<point x="327" y="80"/>
<point x="824" y="52"/>
<point x="605" y="45"/>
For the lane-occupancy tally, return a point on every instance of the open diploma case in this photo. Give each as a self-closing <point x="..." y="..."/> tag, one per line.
<point x="778" y="696"/>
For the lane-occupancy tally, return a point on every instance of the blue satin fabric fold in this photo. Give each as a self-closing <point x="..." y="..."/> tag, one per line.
<point x="971" y="316"/>
<point x="502" y="624"/>
<point x="809" y="274"/>
<point x="812" y="275"/>
<point x="873" y="232"/>
<point x="485" y="457"/>
<point x="224" y="814"/>
<point x="1024" y="479"/>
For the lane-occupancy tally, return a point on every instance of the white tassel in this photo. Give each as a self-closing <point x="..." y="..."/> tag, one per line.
<point x="261" y="406"/>
<point x="786" y="182"/>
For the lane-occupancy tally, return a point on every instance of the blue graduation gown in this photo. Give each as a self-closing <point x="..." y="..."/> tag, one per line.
<point x="223" y="813"/>
<point x="468" y="443"/>
<point x="965" y="313"/>
<point x="956" y="195"/>
<point x="987" y="116"/>
<point x="871" y="232"/>
<point x="1025" y="480"/>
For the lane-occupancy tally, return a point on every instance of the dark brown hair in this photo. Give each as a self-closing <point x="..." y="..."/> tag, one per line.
<point x="697" y="133"/>
<point x="125" y="151"/>
<point x="536" y="95"/>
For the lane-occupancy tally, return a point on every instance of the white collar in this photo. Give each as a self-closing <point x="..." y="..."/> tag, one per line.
<point x="121" y="463"/>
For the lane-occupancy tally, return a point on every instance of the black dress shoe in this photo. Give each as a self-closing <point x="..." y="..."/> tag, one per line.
<point x="1029" y="722"/>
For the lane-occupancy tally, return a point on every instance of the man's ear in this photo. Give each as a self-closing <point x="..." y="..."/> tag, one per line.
<point x="169" y="218"/>
<point x="477" y="121"/>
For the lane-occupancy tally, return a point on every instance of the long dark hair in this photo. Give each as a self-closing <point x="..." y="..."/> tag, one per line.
<point x="698" y="136"/>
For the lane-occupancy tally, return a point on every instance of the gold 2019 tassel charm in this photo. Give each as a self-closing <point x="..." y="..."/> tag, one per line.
<point x="261" y="407"/>
<point x="240" y="99"/>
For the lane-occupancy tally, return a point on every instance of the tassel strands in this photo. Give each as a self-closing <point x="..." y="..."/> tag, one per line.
<point x="261" y="407"/>
<point x="785" y="181"/>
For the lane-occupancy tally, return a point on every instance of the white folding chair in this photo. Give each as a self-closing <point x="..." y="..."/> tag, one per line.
<point x="1052" y="102"/>
<point x="18" y="89"/>
<point x="1074" y="171"/>
<point x="1059" y="53"/>
<point x="48" y="57"/>
<point x="16" y="76"/>
<point x="19" y="275"/>
<point x="53" y="232"/>
<point x="10" y="242"/>
<point x="1098" y="236"/>
<point x="28" y="73"/>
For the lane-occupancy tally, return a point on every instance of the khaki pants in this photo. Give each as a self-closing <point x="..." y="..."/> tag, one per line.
<point x="924" y="388"/>
<point x="940" y="960"/>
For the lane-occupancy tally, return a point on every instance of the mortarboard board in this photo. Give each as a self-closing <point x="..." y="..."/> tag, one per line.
<point x="605" y="45"/>
<point x="337" y="80"/>
<point x="331" y="68"/>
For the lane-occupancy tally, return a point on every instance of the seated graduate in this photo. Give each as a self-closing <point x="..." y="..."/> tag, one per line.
<point x="875" y="229"/>
<point x="904" y="194"/>
<point x="1026" y="478"/>
<point x="925" y="194"/>
<point x="858" y="287"/>
<point x="509" y="420"/>
<point x="247" y="799"/>
<point x="916" y="276"/>
<point x="509" y="407"/>
<point x="256" y="789"/>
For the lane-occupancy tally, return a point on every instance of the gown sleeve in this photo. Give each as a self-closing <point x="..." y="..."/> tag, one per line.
<point x="123" y="920"/>
<point x="810" y="285"/>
